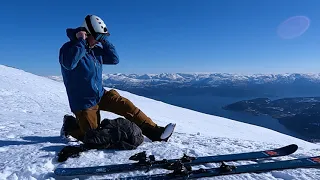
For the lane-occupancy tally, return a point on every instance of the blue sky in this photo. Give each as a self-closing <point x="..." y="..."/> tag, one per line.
<point x="166" y="36"/>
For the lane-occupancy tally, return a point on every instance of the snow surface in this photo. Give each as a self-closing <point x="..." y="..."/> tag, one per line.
<point x="31" y="112"/>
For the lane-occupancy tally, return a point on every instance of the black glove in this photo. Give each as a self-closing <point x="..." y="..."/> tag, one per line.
<point x="102" y="38"/>
<point x="69" y="151"/>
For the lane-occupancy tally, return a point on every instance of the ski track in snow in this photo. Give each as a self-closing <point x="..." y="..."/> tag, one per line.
<point x="31" y="112"/>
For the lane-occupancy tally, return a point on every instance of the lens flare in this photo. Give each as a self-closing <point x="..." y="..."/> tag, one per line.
<point x="293" y="27"/>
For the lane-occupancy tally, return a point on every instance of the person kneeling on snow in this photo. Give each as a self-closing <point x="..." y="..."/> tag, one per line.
<point x="81" y="61"/>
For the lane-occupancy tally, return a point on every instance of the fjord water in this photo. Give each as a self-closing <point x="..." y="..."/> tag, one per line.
<point x="213" y="105"/>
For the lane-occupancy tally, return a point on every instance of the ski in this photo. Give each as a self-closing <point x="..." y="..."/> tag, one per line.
<point x="185" y="172"/>
<point x="148" y="162"/>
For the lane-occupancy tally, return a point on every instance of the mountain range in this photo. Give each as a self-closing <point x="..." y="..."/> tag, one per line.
<point x="219" y="84"/>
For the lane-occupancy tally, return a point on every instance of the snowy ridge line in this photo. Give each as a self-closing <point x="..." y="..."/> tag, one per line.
<point x="206" y="79"/>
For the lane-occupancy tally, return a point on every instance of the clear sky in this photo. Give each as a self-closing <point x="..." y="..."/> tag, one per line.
<point x="155" y="36"/>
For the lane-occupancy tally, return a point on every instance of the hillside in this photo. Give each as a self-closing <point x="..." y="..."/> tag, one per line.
<point x="31" y="111"/>
<point x="298" y="114"/>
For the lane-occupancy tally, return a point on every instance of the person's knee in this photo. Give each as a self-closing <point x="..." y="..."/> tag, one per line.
<point x="113" y="92"/>
<point x="120" y="102"/>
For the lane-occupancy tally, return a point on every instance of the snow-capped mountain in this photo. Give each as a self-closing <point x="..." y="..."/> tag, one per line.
<point x="205" y="79"/>
<point x="217" y="84"/>
<point x="31" y="112"/>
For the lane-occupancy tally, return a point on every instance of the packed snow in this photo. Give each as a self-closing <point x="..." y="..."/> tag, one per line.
<point x="31" y="112"/>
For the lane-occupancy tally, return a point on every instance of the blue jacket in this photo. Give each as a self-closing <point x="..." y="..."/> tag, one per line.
<point x="81" y="69"/>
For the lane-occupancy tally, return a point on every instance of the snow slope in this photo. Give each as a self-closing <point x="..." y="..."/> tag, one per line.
<point x="31" y="111"/>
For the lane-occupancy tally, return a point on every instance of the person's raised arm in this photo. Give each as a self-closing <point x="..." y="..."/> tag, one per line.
<point x="108" y="50"/>
<point x="72" y="52"/>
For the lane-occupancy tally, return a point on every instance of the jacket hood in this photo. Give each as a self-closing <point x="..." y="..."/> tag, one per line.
<point x="71" y="32"/>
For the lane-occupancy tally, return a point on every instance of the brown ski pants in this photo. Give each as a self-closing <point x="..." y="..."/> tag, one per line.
<point x="112" y="101"/>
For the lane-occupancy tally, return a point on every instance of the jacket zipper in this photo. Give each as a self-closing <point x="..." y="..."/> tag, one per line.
<point x="95" y="64"/>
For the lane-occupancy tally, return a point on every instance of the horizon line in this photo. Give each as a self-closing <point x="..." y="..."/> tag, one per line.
<point x="189" y="73"/>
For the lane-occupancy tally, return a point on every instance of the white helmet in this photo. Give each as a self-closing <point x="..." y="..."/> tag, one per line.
<point x="94" y="25"/>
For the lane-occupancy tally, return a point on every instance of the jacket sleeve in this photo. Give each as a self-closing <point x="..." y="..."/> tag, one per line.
<point x="71" y="53"/>
<point x="108" y="53"/>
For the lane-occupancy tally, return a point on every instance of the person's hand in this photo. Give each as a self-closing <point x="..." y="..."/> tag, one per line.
<point x="81" y="35"/>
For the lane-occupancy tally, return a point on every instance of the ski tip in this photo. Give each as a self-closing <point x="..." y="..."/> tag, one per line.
<point x="290" y="148"/>
<point x="293" y="147"/>
<point x="282" y="151"/>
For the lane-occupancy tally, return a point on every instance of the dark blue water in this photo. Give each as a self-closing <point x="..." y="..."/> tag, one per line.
<point x="213" y="105"/>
